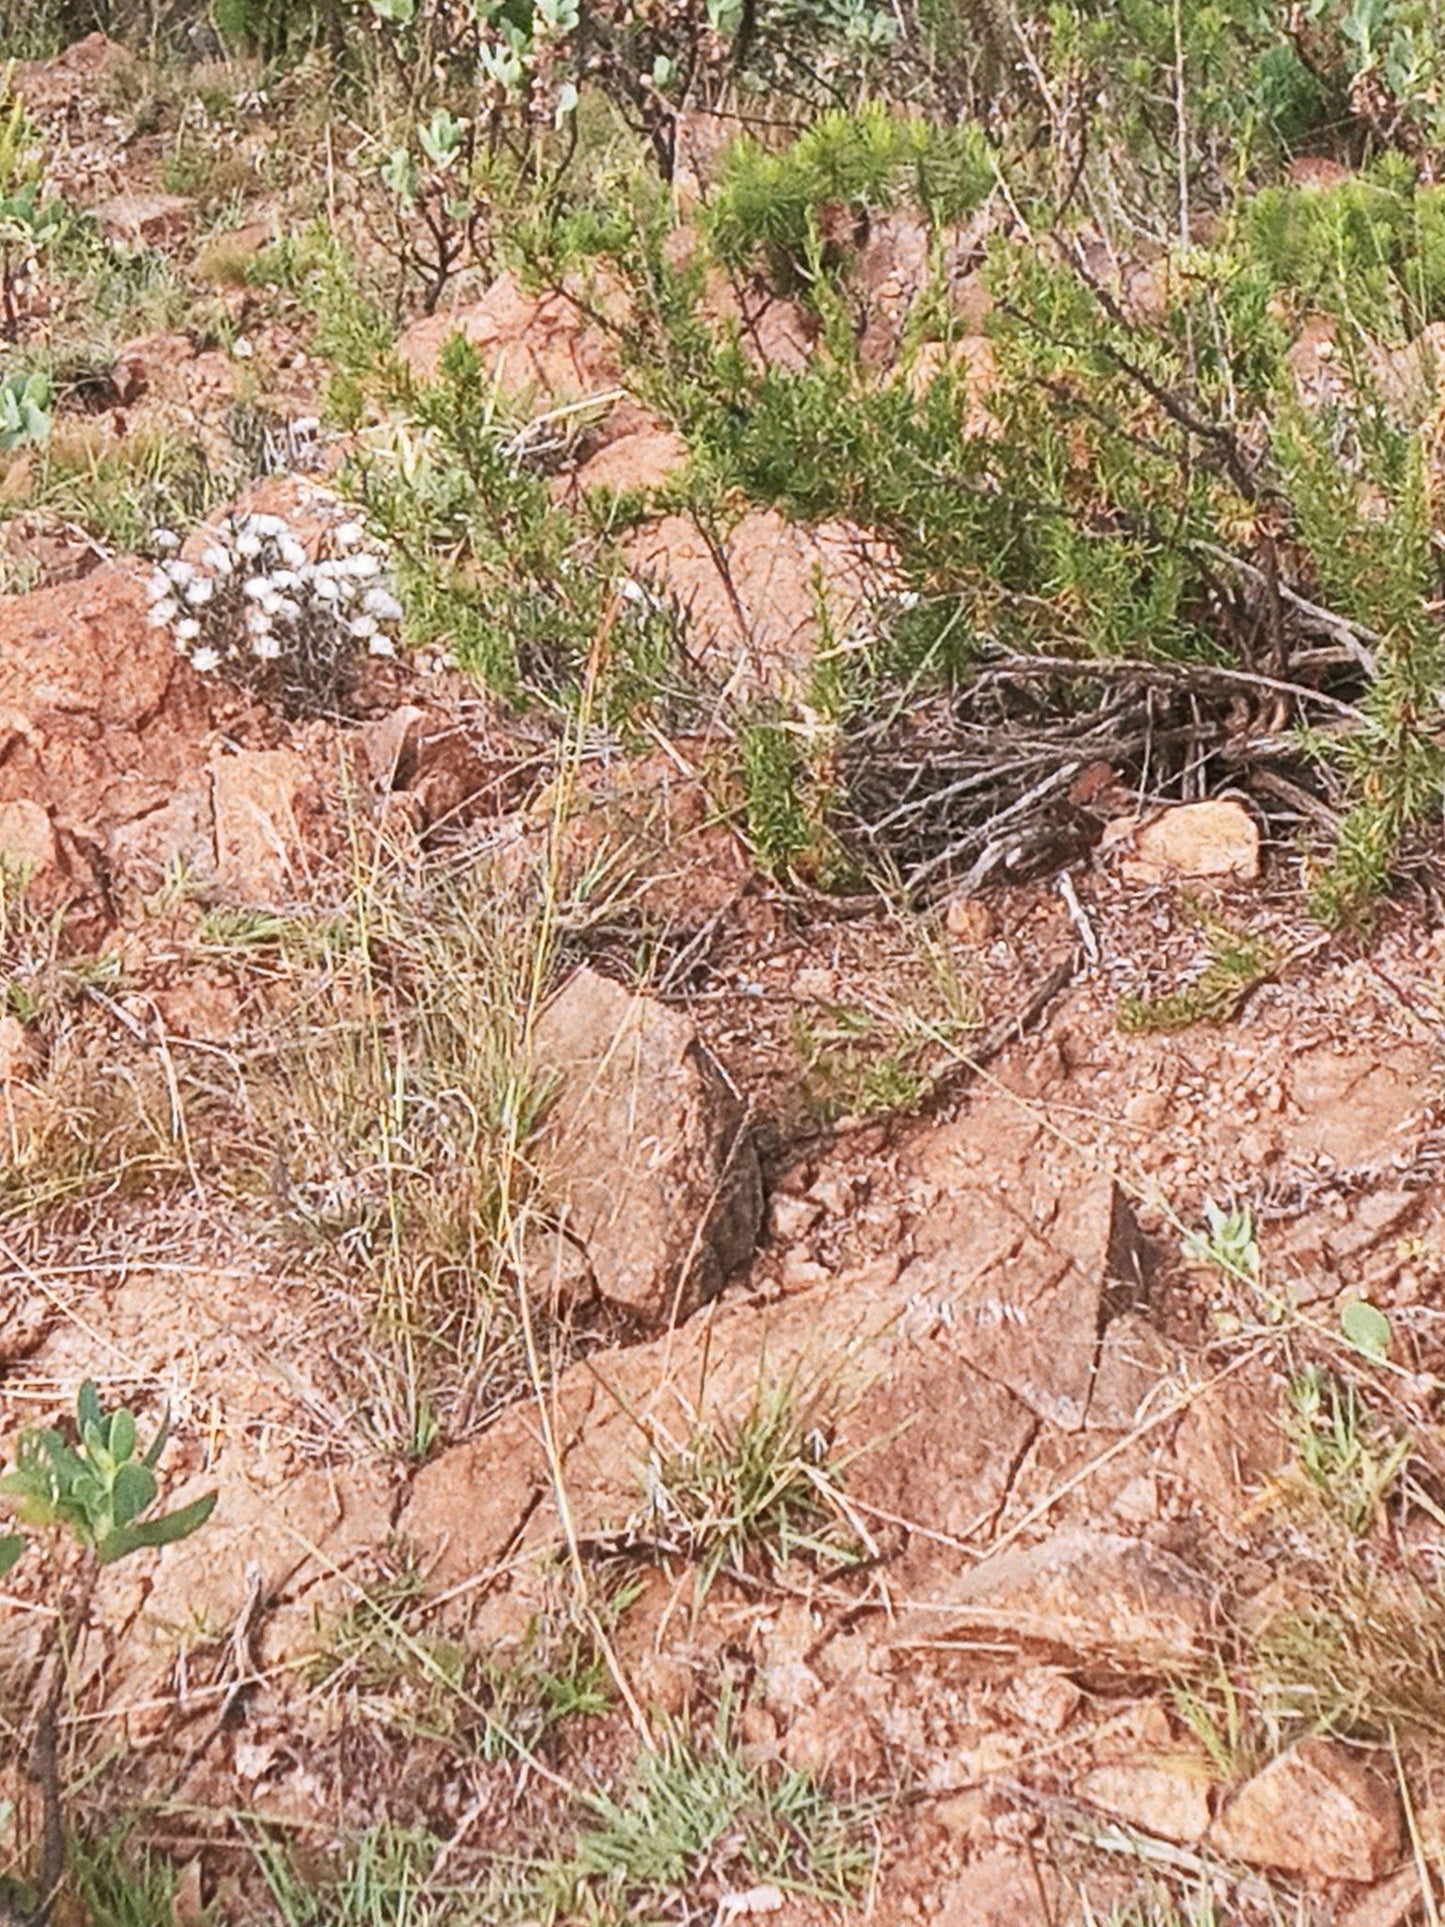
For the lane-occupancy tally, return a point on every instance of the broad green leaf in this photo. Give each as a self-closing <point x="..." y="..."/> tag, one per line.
<point x="165" y="1531"/>
<point x="133" y="1490"/>
<point x="115" y="1544"/>
<point x="1366" y="1328"/>
<point x="67" y="1463"/>
<point x="122" y="1435"/>
<point x="87" y="1406"/>
<point x="34" y="1503"/>
<point x="87" y="1492"/>
<point x="180" y="1524"/>
<point x="441" y="139"/>
<point x="11" y="1547"/>
<point x="398" y="175"/>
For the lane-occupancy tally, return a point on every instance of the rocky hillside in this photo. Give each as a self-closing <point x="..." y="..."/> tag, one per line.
<point x="720" y="985"/>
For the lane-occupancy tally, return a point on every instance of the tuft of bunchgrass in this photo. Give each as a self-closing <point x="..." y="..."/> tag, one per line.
<point x="386" y="1662"/>
<point x="372" y="1110"/>
<point x="392" y="1107"/>
<point x="752" y="1493"/>
<point x="95" y="1113"/>
<point x="384" y="1879"/>
<point x="694" y="1822"/>
<point x="869" y="1059"/>
<point x="1349" y="1460"/>
<point x="120" y="1883"/>
<point x="120" y="491"/>
<point x="1356" y="1645"/>
<point x="700" y="1820"/>
<point x="1362" y="1656"/>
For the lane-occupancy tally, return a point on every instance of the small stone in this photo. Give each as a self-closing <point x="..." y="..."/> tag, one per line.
<point x="839" y="1193"/>
<point x="641" y="459"/>
<point x="969" y="1817"/>
<point x="970" y="922"/>
<point x="390" y="746"/>
<point x="27" y="841"/>
<point x="1001" y="1890"/>
<point x="791" y="1218"/>
<point x="1137" y="1502"/>
<point x="664" y="1682"/>
<point x="834" y="1737"/>
<point x="1148" y="1109"/>
<point x="801" y="1273"/>
<point x="1167" y="1798"/>
<point x="788" y="1687"/>
<point x="757" y="1729"/>
<point x="1317" y="1811"/>
<point x="1387" y="1904"/>
<point x="751" y="1902"/>
<point x="1046" y="1700"/>
<point x="1212" y="839"/>
<point x="264" y="800"/>
<point x="149" y="219"/>
<point x="556" y="1269"/>
<point x="423" y="755"/>
<point x="1018" y="1825"/>
<point x="1096" y="1594"/>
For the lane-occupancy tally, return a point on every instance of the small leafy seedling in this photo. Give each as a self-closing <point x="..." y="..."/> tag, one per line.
<point x="1227" y="1242"/>
<point x="1345" y="1453"/>
<point x="100" y="1489"/>
<point x="28" y="222"/>
<point x="98" y="1493"/>
<point x="25" y="410"/>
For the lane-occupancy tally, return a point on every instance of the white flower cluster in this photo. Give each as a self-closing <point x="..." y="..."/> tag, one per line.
<point x="255" y="603"/>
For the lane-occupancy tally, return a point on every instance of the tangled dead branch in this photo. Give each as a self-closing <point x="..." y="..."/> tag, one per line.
<point x="1001" y="779"/>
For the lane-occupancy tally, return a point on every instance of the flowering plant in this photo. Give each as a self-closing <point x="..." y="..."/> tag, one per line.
<point x="259" y="606"/>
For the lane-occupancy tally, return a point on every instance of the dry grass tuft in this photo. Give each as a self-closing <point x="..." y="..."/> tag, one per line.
<point x="1364" y="1656"/>
<point x="369" y="1112"/>
<point x="755" y="1492"/>
<point x="391" y="1101"/>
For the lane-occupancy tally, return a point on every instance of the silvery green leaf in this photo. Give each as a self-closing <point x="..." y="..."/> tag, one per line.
<point x="1366" y="1328"/>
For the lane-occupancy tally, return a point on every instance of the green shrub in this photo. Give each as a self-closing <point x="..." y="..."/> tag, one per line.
<point x="767" y="205"/>
<point x="520" y="589"/>
<point x="1372" y="250"/>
